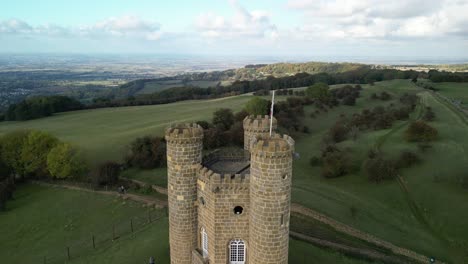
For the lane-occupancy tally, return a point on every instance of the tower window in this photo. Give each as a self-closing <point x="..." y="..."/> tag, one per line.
<point x="204" y="242"/>
<point x="237" y="251"/>
<point x="285" y="176"/>
<point x="282" y="220"/>
<point x="202" y="200"/>
<point x="238" y="210"/>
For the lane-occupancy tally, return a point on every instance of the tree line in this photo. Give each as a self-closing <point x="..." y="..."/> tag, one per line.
<point x="37" y="107"/>
<point x="41" y="106"/>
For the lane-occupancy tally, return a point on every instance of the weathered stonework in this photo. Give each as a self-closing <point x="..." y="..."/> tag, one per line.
<point x="184" y="153"/>
<point x="252" y="208"/>
<point x="256" y="126"/>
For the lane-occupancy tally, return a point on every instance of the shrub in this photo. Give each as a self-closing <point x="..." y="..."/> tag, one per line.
<point x="223" y="118"/>
<point x="338" y="132"/>
<point x="429" y="115"/>
<point x="379" y="169"/>
<point x="204" y="124"/>
<point x="407" y="159"/>
<point x="384" y="96"/>
<point x="64" y="161"/>
<point x="147" y="153"/>
<point x="335" y="164"/>
<point x="35" y="150"/>
<point x="349" y="100"/>
<point x="420" y="131"/>
<point x="107" y="173"/>
<point x="257" y="106"/>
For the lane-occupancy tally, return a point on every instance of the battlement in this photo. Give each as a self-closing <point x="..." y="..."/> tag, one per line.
<point x="217" y="182"/>
<point x="259" y="123"/>
<point x="276" y="145"/>
<point x="184" y="132"/>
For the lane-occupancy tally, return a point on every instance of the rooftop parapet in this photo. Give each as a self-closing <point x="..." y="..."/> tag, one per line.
<point x="259" y="123"/>
<point x="216" y="182"/>
<point x="274" y="146"/>
<point x="184" y="132"/>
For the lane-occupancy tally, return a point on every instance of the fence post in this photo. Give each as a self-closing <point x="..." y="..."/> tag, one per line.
<point x="94" y="243"/>
<point x="131" y="224"/>
<point x="68" y="253"/>
<point x="149" y="216"/>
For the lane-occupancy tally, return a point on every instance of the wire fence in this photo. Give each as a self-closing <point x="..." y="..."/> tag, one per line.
<point x="84" y="246"/>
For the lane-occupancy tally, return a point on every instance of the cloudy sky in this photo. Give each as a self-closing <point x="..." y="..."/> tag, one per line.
<point x="426" y="28"/>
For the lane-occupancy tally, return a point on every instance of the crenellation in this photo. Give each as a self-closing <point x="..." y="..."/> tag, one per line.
<point x="205" y="199"/>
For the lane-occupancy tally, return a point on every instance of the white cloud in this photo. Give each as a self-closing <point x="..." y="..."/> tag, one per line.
<point x="123" y="26"/>
<point x="254" y="24"/>
<point x="381" y="19"/>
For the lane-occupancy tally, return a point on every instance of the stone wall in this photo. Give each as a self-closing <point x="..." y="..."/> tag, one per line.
<point x="218" y="196"/>
<point x="184" y="154"/>
<point x="270" y="198"/>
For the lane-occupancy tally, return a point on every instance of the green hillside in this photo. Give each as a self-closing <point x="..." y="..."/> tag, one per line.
<point x="425" y="211"/>
<point x="103" y="134"/>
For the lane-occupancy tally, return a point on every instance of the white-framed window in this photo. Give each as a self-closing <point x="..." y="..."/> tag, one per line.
<point x="237" y="251"/>
<point x="204" y="242"/>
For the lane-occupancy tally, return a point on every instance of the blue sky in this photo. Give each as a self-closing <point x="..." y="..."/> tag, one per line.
<point x="237" y="27"/>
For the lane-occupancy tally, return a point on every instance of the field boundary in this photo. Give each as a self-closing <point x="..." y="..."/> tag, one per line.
<point x="347" y="250"/>
<point x="296" y="208"/>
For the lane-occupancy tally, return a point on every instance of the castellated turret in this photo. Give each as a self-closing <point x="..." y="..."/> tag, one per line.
<point x="184" y="154"/>
<point x="270" y="198"/>
<point x="256" y="126"/>
<point x="229" y="207"/>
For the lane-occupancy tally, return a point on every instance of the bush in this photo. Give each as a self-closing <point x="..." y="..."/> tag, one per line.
<point x="223" y="118"/>
<point x="349" y="100"/>
<point x="338" y="132"/>
<point x="335" y="164"/>
<point x="384" y="96"/>
<point x="147" y="153"/>
<point x="64" y="161"/>
<point x="420" y="131"/>
<point x="257" y="106"/>
<point x="407" y="159"/>
<point x="204" y="124"/>
<point x="429" y="115"/>
<point x="107" y="173"/>
<point x="379" y="169"/>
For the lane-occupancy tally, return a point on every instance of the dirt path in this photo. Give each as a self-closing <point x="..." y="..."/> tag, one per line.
<point x="149" y="201"/>
<point x="295" y="208"/>
<point x="343" y="228"/>
<point x="352" y="251"/>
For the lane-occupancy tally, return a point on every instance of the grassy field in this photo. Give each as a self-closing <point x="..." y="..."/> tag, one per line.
<point x="43" y="221"/>
<point x="426" y="212"/>
<point x="103" y="134"/>
<point x="384" y="209"/>
<point x="455" y="91"/>
<point x="157" y="86"/>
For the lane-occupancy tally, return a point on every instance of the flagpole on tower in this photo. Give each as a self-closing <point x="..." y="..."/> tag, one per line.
<point x="271" y="112"/>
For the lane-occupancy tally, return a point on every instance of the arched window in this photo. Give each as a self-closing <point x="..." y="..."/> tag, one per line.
<point x="204" y="242"/>
<point x="237" y="251"/>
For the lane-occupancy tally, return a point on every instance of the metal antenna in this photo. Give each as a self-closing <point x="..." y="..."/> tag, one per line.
<point x="271" y="111"/>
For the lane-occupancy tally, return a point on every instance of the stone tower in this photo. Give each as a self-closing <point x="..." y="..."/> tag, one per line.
<point x="184" y="154"/>
<point x="270" y="198"/>
<point x="256" y="126"/>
